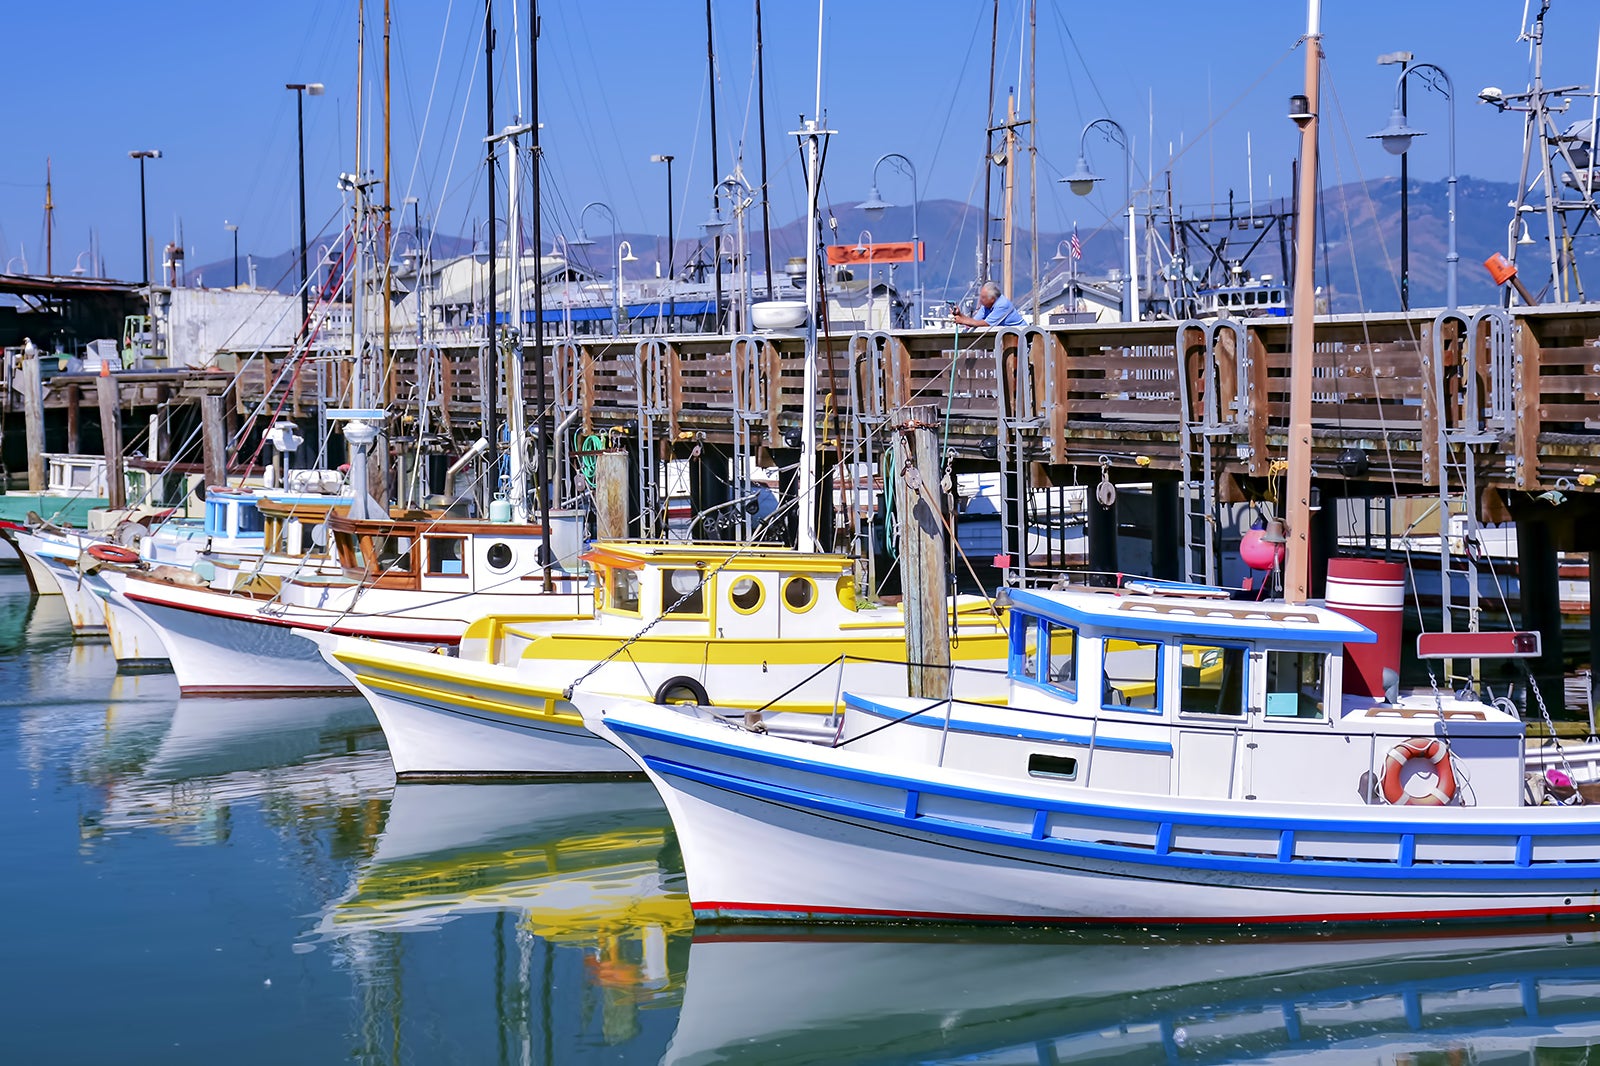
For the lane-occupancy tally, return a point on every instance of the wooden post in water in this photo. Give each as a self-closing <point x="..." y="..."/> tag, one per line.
<point x="611" y="470"/>
<point x="105" y="390"/>
<point x="33" y="418"/>
<point x="213" y="442"/>
<point x="74" y="401"/>
<point x="924" y="576"/>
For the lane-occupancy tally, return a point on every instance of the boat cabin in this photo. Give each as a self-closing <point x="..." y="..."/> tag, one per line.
<point x="425" y="551"/>
<point x="1252" y="299"/>
<point x="297" y="525"/>
<point x="1192" y="694"/>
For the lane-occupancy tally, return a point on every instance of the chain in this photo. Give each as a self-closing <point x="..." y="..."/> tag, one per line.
<point x="1544" y="712"/>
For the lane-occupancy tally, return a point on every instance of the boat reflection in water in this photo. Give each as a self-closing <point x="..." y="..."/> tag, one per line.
<point x="294" y="757"/>
<point x="768" y="996"/>
<point x="587" y="871"/>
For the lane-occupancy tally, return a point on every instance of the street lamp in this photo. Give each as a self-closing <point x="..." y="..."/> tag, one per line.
<point x="234" y="229"/>
<point x="1082" y="181"/>
<point x="301" y="90"/>
<point x="876" y="205"/>
<point x="1403" y="60"/>
<point x="583" y="241"/>
<point x="1397" y="137"/>
<point x="624" y="255"/>
<point x="671" y="237"/>
<point x="144" y="228"/>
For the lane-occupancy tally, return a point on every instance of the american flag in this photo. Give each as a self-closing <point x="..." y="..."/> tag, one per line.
<point x="1077" y="245"/>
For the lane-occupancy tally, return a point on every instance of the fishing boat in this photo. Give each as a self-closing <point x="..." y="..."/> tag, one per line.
<point x="1167" y="755"/>
<point x="764" y="634"/>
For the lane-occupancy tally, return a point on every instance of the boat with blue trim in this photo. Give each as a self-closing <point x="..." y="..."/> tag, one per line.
<point x="1165" y="756"/>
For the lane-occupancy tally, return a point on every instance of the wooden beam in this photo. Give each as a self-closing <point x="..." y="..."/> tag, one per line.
<point x="111" y="435"/>
<point x="923" y="573"/>
<point x="213" y="441"/>
<point x="1525" y="406"/>
<point x="33" y="417"/>
<point x="1431" y="413"/>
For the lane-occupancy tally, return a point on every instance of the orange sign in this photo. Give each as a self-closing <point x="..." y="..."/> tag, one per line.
<point x="873" y="254"/>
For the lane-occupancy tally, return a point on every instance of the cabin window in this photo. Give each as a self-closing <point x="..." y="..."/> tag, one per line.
<point x="745" y="595"/>
<point x="393" y="553"/>
<point x="250" y="520"/>
<point x="499" y="556"/>
<point x="799" y="593"/>
<point x="1132" y="673"/>
<point x="1213" y="680"/>
<point x="1296" y="684"/>
<point x="1060" y="767"/>
<point x="683" y="592"/>
<point x="625" y="590"/>
<point x="349" y="550"/>
<point x="447" y="556"/>
<point x="1025" y="647"/>
<point x="1062" y="670"/>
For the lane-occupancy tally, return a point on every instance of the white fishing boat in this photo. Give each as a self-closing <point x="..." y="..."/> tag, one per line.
<point x="768" y="633"/>
<point x="413" y="578"/>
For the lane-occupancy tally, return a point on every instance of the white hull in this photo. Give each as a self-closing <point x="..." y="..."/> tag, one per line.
<point x="430" y="734"/>
<point x="83" y="606"/>
<point x="40" y="579"/>
<point x="775" y="829"/>
<point x="216" y="656"/>
<point x="134" y="641"/>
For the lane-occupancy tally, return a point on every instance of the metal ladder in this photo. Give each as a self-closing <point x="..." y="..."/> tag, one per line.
<point x="1197" y="477"/>
<point x="748" y="357"/>
<point x="655" y="373"/>
<point x="876" y="382"/>
<point x="1020" y="406"/>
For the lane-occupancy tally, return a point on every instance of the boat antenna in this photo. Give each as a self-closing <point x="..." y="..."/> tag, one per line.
<point x="541" y="463"/>
<point x="761" y="120"/>
<point x="1297" y="494"/>
<point x="805" y="490"/>
<point x="716" y="171"/>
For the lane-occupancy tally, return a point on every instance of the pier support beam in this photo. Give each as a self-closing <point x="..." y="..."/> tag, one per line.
<point x="924" y="577"/>
<point x="1594" y="632"/>
<point x="1539" y="581"/>
<point x="74" y="402"/>
<point x="33" y="422"/>
<point x="213" y="442"/>
<point x="1166" y="532"/>
<point x="111" y="440"/>
<point x="611" y="482"/>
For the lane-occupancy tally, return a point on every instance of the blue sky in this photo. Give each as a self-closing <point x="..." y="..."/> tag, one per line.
<point x="202" y="80"/>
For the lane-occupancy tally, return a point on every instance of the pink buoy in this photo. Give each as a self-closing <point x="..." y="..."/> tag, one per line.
<point x="1372" y="592"/>
<point x="1259" y="553"/>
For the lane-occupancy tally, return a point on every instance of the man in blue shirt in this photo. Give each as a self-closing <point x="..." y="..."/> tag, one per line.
<point x="993" y="310"/>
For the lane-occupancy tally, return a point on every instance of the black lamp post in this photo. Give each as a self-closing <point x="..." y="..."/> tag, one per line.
<point x="672" y="307"/>
<point x="234" y="229"/>
<point x="300" y="91"/>
<point x="1403" y="59"/>
<point x="144" y="226"/>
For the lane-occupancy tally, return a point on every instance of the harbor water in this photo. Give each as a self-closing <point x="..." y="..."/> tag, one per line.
<point x="202" y="880"/>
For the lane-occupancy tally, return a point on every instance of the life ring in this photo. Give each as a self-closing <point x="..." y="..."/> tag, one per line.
<point x="1433" y="749"/>
<point x="113" y="553"/>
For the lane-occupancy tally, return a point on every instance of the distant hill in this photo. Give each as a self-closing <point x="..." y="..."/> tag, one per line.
<point x="1358" y="246"/>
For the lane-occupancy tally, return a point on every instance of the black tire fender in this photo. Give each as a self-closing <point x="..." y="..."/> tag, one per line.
<point x="694" y="687"/>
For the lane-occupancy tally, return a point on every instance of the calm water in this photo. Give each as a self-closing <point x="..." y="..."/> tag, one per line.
<point x="204" y="881"/>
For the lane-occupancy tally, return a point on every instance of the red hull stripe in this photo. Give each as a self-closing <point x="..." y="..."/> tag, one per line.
<point x="712" y="910"/>
<point x="343" y="631"/>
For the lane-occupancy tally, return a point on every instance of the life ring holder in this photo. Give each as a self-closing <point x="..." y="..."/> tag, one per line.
<point x="1436" y="751"/>
<point x="113" y="553"/>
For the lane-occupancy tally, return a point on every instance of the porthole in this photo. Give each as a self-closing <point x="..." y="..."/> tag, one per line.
<point x="800" y="593"/>
<point x="745" y="595"/>
<point x="499" y="556"/>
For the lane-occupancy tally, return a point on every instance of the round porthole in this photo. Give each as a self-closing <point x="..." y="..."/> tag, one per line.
<point x="745" y="595"/>
<point x="499" y="556"/>
<point x="800" y="593"/>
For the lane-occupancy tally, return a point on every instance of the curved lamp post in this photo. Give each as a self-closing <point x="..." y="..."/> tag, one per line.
<point x="1397" y="137"/>
<point x="582" y="241"/>
<point x="1082" y="181"/>
<point x="624" y="255"/>
<point x="741" y="195"/>
<point x="876" y="205"/>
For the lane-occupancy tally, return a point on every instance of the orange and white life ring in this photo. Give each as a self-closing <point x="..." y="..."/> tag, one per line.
<point x="1437" y="752"/>
<point x="113" y="553"/>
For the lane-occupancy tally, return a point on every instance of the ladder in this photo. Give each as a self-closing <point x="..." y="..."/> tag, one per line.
<point x="655" y="388"/>
<point x="752" y="377"/>
<point x="1200" y="423"/>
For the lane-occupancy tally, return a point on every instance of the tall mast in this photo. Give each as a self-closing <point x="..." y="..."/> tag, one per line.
<point x="541" y="464"/>
<point x="984" y="233"/>
<point x="716" y="171"/>
<point x="1302" y="336"/>
<point x="761" y="119"/>
<point x="50" y="215"/>
<point x="1009" y="185"/>
<point x="358" y="276"/>
<point x="1033" y="154"/>
<point x="386" y="231"/>
<point x="488" y="362"/>
<point x="806" y="488"/>
<point x="516" y="416"/>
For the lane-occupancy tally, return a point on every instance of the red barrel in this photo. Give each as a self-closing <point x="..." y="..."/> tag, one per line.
<point x="1372" y="592"/>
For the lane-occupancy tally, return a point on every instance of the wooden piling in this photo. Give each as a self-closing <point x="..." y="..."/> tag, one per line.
<point x="105" y="391"/>
<point x="924" y="578"/>
<point x="611" y="481"/>
<point x="213" y="442"/>
<point x="74" y="402"/>
<point x="33" y="416"/>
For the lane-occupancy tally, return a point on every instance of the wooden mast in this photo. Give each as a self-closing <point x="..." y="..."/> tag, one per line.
<point x="1009" y="182"/>
<point x="1302" y="336"/>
